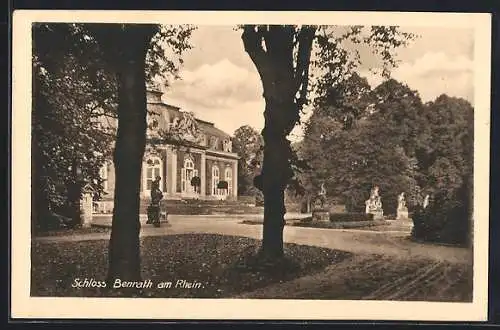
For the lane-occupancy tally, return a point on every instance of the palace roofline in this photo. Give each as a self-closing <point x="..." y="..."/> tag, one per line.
<point x="210" y="126"/>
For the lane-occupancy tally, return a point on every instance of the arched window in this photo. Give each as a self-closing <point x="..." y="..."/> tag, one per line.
<point x="153" y="166"/>
<point x="103" y="173"/>
<point x="215" y="180"/>
<point x="228" y="175"/>
<point x="187" y="173"/>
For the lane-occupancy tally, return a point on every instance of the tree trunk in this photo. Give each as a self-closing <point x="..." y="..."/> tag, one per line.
<point x="283" y="77"/>
<point x="276" y="172"/>
<point x="124" y="245"/>
<point x="274" y="199"/>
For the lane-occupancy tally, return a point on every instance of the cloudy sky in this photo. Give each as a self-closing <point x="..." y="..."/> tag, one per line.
<point x="220" y="83"/>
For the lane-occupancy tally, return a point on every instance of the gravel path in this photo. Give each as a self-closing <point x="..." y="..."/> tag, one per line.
<point x="393" y="243"/>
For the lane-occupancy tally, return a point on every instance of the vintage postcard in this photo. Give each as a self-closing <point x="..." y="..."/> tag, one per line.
<point x="250" y="165"/>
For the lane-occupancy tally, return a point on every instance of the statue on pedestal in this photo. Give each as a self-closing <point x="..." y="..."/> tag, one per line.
<point x="319" y="211"/>
<point x="402" y="211"/>
<point x="373" y="205"/>
<point x="322" y="195"/>
<point x="154" y="207"/>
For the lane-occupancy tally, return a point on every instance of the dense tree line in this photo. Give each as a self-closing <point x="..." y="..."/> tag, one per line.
<point x="358" y="137"/>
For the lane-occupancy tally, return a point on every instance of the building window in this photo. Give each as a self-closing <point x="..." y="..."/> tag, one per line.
<point x="153" y="167"/>
<point x="228" y="175"/>
<point x="188" y="172"/>
<point x="215" y="180"/>
<point x="103" y="173"/>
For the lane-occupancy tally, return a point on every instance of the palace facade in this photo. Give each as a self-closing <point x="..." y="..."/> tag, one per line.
<point x="199" y="150"/>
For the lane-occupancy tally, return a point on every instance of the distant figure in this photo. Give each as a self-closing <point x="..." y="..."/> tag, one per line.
<point x="154" y="207"/>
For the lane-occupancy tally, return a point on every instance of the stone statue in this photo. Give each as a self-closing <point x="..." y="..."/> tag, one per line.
<point x="426" y="201"/>
<point x="321" y="196"/>
<point x="373" y="205"/>
<point x="154" y="207"/>
<point x="402" y="211"/>
<point x="319" y="213"/>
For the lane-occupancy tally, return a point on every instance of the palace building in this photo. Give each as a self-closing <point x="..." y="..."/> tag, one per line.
<point x="197" y="149"/>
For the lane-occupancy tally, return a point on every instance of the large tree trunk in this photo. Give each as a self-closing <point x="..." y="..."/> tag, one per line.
<point x="124" y="245"/>
<point x="276" y="164"/>
<point x="282" y="78"/>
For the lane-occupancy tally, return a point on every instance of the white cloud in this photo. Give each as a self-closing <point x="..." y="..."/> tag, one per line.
<point x="222" y="84"/>
<point x="224" y="93"/>
<point x="433" y="74"/>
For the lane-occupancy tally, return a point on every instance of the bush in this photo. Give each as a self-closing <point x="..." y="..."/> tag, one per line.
<point x="222" y="185"/>
<point x="443" y="221"/>
<point x="195" y="181"/>
<point x="350" y="216"/>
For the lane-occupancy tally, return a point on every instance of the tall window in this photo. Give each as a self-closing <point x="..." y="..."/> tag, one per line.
<point x="188" y="172"/>
<point x="215" y="180"/>
<point x="228" y="175"/>
<point x="103" y="173"/>
<point x="153" y="169"/>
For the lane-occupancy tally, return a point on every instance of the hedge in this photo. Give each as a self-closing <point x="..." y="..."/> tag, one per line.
<point x="444" y="221"/>
<point x="350" y="216"/>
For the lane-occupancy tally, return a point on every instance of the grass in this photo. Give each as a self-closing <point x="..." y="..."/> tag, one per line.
<point x="73" y="231"/>
<point x="376" y="277"/>
<point x="224" y="265"/>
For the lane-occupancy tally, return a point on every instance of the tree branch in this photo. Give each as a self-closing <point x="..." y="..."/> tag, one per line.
<point x="306" y="37"/>
<point x="252" y="42"/>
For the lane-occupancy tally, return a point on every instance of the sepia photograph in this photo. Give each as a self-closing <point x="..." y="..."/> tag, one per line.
<point x="294" y="165"/>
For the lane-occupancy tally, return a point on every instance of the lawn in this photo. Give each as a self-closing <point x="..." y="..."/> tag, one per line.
<point x="375" y="277"/>
<point x="224" y="265"/>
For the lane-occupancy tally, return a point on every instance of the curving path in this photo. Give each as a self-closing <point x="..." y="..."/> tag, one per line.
<point x="392" y="243"/>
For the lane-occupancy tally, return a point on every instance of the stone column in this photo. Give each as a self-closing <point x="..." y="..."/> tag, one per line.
<point x="235" y="179"/>
<point x="203" y="184"/>
<point x="173" y="171"/>
<point x="168" y="172"/>
<point x="86" y="209"/>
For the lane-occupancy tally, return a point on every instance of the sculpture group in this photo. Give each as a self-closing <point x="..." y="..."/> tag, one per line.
<point x="373" y="205"/>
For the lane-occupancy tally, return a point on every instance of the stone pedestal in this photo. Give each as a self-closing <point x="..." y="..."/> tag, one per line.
<point x="86" y="209"/>
<point x="320" y="215"/>
<point x="402" y="214"/>
<point x="378" y="215"/>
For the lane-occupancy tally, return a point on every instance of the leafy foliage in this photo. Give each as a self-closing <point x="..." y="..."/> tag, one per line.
<point x="75" y="101"/>
<point x="446" y="219"/>
<point x="248" y="144"/>
<point x="71" y="93"/>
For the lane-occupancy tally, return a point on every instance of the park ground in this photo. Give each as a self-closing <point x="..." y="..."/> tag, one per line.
<point x="215" y="254"/>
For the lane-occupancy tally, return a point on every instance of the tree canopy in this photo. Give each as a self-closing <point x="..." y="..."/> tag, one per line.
<point x="391" y="139"/>
<point x="248" y="144"/>
<point x="75" y="99"/>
